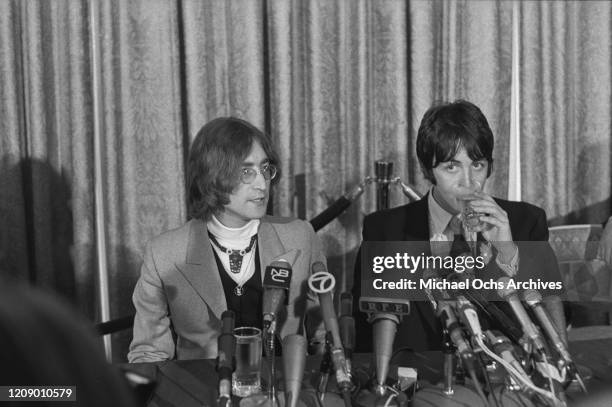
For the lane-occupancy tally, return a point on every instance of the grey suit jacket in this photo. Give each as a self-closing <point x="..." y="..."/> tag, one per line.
<point x="180" y="293"/>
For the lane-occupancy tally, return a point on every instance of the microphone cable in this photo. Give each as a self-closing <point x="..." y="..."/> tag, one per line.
<point x="526" y="381"/>
<point x="487" y="380"/>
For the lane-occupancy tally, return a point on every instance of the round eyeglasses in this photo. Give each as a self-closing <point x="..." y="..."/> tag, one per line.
<point x="248" y="174"/>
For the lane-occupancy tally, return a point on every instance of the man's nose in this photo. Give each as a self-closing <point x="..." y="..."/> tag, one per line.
<point x="466" y="177"/>
<point x="259" y="182"/>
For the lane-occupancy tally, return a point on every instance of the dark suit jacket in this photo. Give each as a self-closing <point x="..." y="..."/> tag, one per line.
<point x="421" y="329"/>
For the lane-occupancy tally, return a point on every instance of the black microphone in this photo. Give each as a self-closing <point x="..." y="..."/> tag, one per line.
<point x="226" y="344"/>
<point x="489" y="309"/>
<point x="447" y="315"/>
<point x="529" y="329"/>
<point x="336" y="208"/>
<point x="534" y="300"/>
<point x="294" y="363"/>
<point x="323" y="283"/>
<point x="276" y="282"/>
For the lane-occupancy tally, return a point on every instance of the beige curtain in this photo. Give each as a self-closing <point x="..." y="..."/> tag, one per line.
<point x="338" y="84"/>
<point x="566" y="96"/>
<point x="46" y="204"/>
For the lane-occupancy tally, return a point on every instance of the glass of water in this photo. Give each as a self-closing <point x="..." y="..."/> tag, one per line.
<point x="246" y="379"/>
<point x="469" y="217"/>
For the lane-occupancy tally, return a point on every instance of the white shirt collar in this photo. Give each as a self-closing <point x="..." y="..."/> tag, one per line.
<point x="233" y="238"/>
<point x="439" y="217"/>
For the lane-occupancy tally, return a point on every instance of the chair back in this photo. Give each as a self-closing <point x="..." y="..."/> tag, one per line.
<point x="584" y="276"/>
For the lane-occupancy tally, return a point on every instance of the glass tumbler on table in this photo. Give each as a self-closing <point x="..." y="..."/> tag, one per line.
<point x="246" y="379"/>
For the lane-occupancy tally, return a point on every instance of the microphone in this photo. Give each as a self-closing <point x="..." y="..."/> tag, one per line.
<point x="534" y="300"/>
<point x="226" y="343"/>
<point x="409" y="191"/>
<point x="384" y="314"/>
<point x="322" y="283"/>
<point x="347" y="327"/>
<point x="336" y="208"/>
<point x="488" y="309"/>
<point x="447" y="315"/>
<point x="469" y="316"/>
<point x="276" y="282"/>
<point x="294" y="361"/>
<point x="383" y="171"/>
<point x="529" y="329"/>
<point x="503" y="347"/>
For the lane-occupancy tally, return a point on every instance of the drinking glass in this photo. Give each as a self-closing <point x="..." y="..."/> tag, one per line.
<point x="246" y="379"/>
<point x="469" y="217"/>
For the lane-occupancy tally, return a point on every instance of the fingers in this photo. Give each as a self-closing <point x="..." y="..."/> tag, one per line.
<point x="489" y="208"/>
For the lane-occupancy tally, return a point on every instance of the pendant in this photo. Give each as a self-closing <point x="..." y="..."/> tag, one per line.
<point x="239" y="290"/>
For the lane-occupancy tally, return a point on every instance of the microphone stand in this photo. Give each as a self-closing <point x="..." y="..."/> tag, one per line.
<point x="383" y="171"/>
<point x="449" y="353"/>
<point x="270" y="328"/>
<point x="324" y="370"/>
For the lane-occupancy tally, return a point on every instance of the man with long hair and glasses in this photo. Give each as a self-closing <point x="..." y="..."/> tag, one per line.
<point x="215" y="262"/>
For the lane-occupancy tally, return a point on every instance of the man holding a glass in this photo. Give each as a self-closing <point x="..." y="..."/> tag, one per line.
<point x="455" y="151"/>
<point x="216" y="261"/>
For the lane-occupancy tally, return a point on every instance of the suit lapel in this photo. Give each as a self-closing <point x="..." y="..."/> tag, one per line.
<point x="417" y="229"/>
<point x="271" y="248"/>
<point x="416" y="223"/>
<point x="200" y="268"/>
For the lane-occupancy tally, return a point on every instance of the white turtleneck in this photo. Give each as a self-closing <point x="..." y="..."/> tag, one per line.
<point x="235" y="239"/>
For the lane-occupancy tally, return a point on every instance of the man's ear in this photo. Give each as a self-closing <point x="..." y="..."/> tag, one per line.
<point x="428" y="174"/>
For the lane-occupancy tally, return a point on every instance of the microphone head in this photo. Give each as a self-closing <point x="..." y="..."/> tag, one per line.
<point x="504" y="290"/>
<point x="294" y="362"/>
<point x="347" y="332"/>
<point x="276" y="283"/>
<point x="277" y="275"/>
<point x="321" y="282"/>
<point x="317" y="266"/>
<point x="226" y="342"/>
<point x="346" y="303"/>
<point x="227" y="321"/>
<point x="384" y="336"/>
<point x="532" y="297"/>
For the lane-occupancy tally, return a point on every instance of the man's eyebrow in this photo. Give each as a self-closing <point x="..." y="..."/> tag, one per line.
<point x="251" y="163"/>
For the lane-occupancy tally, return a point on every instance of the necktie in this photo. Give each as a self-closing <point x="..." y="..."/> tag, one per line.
<point x="460" y="246"/>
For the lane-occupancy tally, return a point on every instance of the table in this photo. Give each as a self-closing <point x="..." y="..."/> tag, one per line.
<point x="188" y="383"/>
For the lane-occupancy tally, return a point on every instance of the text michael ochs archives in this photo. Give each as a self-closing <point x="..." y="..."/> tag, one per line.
<point x="414" y="270"/>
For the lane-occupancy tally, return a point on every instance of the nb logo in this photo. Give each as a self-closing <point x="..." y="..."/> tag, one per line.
<point x="279" y="275"/>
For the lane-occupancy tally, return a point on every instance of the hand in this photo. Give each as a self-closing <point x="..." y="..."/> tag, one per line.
<point x="605" y="244"/>
<point x="495" y="226"/>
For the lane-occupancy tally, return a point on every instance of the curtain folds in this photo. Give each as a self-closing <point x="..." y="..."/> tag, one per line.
<point x="566" y="89"/>
<point x="337" y="84"/>
<point x="46" y="126"/>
